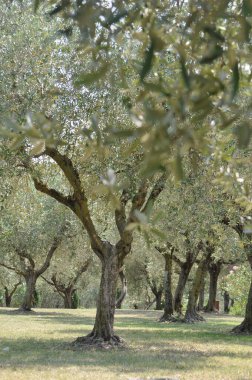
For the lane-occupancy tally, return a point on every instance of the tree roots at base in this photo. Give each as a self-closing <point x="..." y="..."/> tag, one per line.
<point x="170" y="318"/>
<point x="243" y="329"/>
<point x="93" y="341"/>
<point x="193" y="318"/>
<point x="23" y="311"/>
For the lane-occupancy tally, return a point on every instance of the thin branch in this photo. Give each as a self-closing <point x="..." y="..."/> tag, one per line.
<point x="177" y="260"/>
<point x="16" y="270"/>
<point x="157" y="189"/>
<point x="42" y="187"/>
<point x="56" y="242"/>
<point x="82" y="270"/>
<point x="25" y="255"/>
<point x="68" y="169"/>
<point x="15" y="288"/>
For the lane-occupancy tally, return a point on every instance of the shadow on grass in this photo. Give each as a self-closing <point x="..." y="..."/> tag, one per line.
<point x="55" y="353"/>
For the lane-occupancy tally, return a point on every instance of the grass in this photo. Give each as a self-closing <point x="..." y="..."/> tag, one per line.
<point x="34" y="347"/>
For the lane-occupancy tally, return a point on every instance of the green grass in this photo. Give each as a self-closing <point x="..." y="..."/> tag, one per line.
<point x="35" y="347"/>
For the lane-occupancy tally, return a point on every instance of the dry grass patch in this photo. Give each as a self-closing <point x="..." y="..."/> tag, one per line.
<point x="35" y="346"/>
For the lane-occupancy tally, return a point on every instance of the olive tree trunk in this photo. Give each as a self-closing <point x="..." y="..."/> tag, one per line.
<point x="123" y="290"/>
<point x="246" y="326"/>
<point x="30" y="281"/>
<point x="68" y="301"/>
<point x="191" y="314"/>
<point x="183" y="277"/>
<point x="226" y="298"/>
<point x="103" y="330"/>
<point x="201" y="296"/>
<point x="168" y="307"/>
<point x="214" y="272"/>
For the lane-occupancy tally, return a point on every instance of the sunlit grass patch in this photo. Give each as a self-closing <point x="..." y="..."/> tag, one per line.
<point x="35" y="347"/>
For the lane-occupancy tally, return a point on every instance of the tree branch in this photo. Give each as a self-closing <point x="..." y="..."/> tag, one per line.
<point x="82" y="270"/>
<point x="68" y="169"/>
<point x="25" y="255"/>
<point x="77" y="202"/>
<point x="120" y="214"/>
<point x="16" y="270"/>
<point x="177" y="260"/>
<point x="15" y="288"/>
<point x="65" y="200"/>
<point x="56" y="242"/>
<point x="157" y="189"/>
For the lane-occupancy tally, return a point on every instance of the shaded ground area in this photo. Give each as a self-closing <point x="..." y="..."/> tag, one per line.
<point x="34" y="346"/>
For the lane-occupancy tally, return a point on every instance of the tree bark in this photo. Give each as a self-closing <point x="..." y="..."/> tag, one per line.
<point x="191" y="314"/>
<point x="68" y="303"/>
<point x="123" y="291"/>
<point x="246" y="326"/>
<point x="159" y="300"/>
<point x="183" y="277"/>
<point x="30" y="280"/>
<point x="168" y="308"/>
<point x="201" y="296"/>
<point x="226" y="301"/>
<point x="103" y="331"/>
<point x="7" y="297"/>
<point x="214" y="272"/>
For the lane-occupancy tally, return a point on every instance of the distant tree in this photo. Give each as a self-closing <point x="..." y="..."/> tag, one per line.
<point x="67" y="290"/>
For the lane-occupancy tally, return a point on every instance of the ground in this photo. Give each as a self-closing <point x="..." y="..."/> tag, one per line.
<point x="35" y="346"/>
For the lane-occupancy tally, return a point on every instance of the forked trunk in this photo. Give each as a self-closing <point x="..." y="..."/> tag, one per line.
<point x="214" y="272"/>
<point x="246" y="326"/>
<point x="30" y="281"/>
<point x="168" y="308"/>
<point x="183" y="277"/>
<point x="192" y="315"/>
<point x="103" y="331"/>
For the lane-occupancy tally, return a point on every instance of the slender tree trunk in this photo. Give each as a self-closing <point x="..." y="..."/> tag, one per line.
<point x="68" y="303"/>
<point x="214" y="272"/>
<point x="246" y="326"/>
<point x="7" y="297"/>
<point x="30" y="281"/>
<point x="226" y="301"/>
<point x="168" y="308"/>
<point x="191" y="315"/>
<point x="103" y="331"/>
<point x="201" y="296"/>
<point x="123" y="291"/>
<point x="158" y="300"/>
<point x="183" y="277"/>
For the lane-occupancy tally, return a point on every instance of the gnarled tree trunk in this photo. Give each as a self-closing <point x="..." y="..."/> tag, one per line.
<point x="192" y="315"/>
<point x="214" y="272"/>
<point x="201" y="296"/>
<point x="123" y="290"/>
<point x="183" y="277"/>
<point x="30" y="281"/>
<point x="7" y="297"/>
<point x="68" y="301"/>
<point x="168" y="308"/>
<point x="103" y="331"/>
<point x="226" y="298"/>
<point x="158" y="300"/>
<point x="246" y="326"/>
